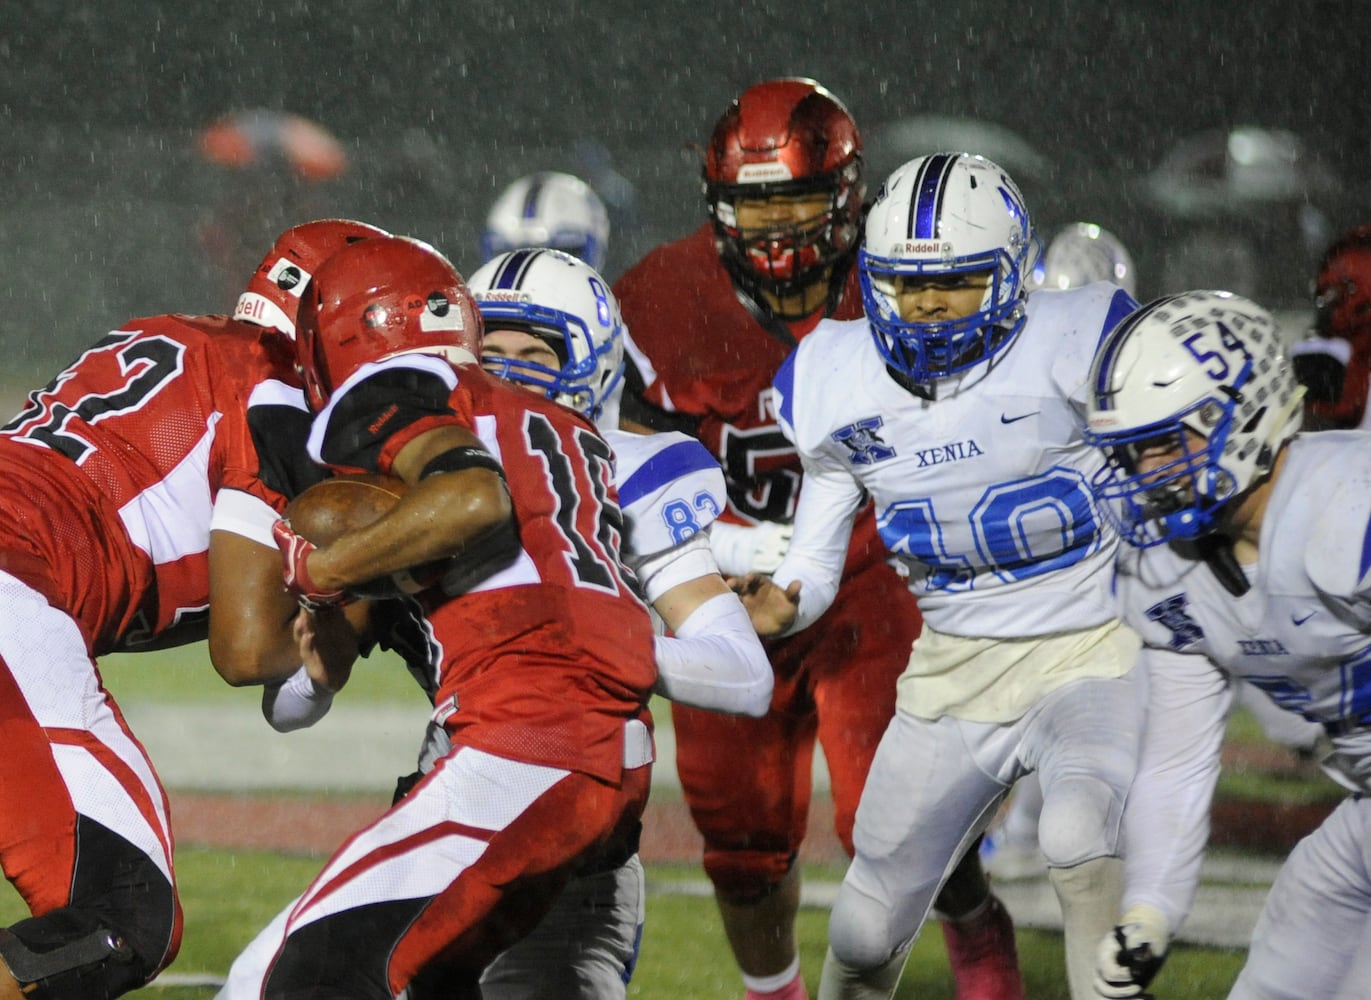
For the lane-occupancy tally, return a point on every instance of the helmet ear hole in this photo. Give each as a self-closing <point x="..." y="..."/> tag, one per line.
<point x="1254" y="421"/>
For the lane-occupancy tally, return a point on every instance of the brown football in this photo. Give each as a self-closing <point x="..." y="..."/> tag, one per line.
<point x="342" y="504"/>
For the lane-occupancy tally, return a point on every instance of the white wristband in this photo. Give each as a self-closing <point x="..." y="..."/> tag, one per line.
<point x="295" y="703"/>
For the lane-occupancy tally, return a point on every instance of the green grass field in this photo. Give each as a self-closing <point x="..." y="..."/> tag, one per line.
<point x="228" y="896"/>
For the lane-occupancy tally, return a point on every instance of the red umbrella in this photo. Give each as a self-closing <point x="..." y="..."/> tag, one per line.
<point x="258" y="137"/>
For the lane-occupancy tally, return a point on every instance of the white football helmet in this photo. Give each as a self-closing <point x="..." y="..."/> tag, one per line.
<point x="1082" y="253"/>
<point x="548" y="209"/>
<point x="946" y="214"/>
<point x="563" y="301"/>
<point x="1207" y="362"/>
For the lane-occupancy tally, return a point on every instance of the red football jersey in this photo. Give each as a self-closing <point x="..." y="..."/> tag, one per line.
<point x="110" y="472"/>
<point x="712" y="359"/>
<point x="544" y="659"/>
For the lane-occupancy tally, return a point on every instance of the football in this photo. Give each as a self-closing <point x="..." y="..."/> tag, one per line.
<point x="342" y="504"/>
<point x="345" y="503"/>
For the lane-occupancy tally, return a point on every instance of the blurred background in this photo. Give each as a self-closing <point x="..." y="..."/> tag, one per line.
<point x="150" y="151"/>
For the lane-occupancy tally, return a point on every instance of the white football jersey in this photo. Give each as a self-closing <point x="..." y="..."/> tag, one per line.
<point x="1302" y="633"/>
<point x="670" y="489"/>
<point x="984" y="494"/>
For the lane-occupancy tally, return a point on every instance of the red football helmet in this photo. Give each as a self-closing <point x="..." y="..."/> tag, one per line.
<point x="378" y="298"/>
<point x="1342" y="289"/>
<point x="273" y="295"/>
<point x="784" y="138"/>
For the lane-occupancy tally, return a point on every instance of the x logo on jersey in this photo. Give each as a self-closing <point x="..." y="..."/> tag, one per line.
<point x="1185" y="631"/>
<point x="863" y="442"/>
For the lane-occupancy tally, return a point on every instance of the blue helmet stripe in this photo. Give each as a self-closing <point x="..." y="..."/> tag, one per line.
<point x="1365" y="553"/>
<point x="535" y="191"/>
<point x="928" y="196"/>
<point x="510" y="275"/>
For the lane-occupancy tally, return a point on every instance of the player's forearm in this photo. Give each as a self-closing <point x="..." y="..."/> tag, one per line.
<point x="440" y="517"/>
<point x="818" y="547"/>
<point x="250" y="639"/>
<point x="715" y="661"/>
<point x="818" y="588"/>
<point x="1166" y="818"/>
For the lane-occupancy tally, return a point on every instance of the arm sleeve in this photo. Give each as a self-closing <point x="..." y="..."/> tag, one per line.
<point x="829" y="499"/>
<point x="1166" y="818"/>
<point x="244" y="514"/>
<point x="295" y="703"/>
<point x="715" y="661"/>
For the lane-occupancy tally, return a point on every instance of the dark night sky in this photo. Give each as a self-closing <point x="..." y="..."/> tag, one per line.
<point x="1119" y="79"/>
<point x="440" y="104"/>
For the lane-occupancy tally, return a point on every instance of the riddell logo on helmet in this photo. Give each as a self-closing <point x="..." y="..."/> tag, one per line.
<point x="288" y="277"/>
<point x="763" y="173"/>
<point x="503" y="295"/>
<point x="921" y="246"/>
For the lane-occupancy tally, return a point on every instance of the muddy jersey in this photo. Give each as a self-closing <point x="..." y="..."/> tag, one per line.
<point x="984" y="494"/>
<point x="707" y="359"/>
<point x="541" y="660"/>
<point x="111" y="471"/>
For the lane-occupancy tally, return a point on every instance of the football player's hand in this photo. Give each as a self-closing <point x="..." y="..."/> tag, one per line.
<point x="741" y="549"/>
<point x="771" y="608"/>
<point x="295" y="553"/>
<point x="328" y="646"/>
<point x="1131" y="955"/>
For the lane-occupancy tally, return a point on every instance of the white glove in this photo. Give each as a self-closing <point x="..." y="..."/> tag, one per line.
<point x="741" y="549"/>
<point x="1132" y="953"/>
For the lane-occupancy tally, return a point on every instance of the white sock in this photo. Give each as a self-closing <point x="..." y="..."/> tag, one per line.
<point x="770" y="984"/>
<point x="1090" y="895"/>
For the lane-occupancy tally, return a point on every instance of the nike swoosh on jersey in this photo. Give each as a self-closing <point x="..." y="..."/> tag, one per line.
<point x="1007" y="419"/>
<point x="1300" y="621"/>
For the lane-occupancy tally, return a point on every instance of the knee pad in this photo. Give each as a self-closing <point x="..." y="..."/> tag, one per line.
<point x="860" y="933"/>
<point x="121" y="927"/>
<point x="1080" y="821"/>
<point x="747" y="876"/>
<point x="83" y="965"/>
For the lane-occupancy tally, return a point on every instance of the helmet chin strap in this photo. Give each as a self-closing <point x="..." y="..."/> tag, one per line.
<point x="1216" y="550"/>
